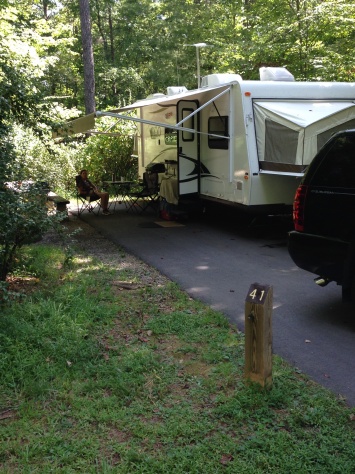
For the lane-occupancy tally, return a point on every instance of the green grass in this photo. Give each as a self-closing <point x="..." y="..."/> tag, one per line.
<point x="97" y="380"/>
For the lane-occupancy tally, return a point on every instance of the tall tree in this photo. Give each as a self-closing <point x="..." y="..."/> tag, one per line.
<point x="88" y="56"/>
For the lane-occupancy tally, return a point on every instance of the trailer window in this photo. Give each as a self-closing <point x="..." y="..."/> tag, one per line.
<point x="280" y="143"/>
<point x="170" y="136"/>
<point x="218" y="126"/>
<point x="189" y="123"/>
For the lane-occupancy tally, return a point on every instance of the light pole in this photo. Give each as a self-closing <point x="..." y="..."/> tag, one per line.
<point x="198" y="46"/>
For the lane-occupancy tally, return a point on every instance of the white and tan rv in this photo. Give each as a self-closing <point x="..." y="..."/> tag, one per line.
<point x="245" y="143"/>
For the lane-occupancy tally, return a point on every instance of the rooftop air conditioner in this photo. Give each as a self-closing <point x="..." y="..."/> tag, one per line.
<point x="275" y="74"/>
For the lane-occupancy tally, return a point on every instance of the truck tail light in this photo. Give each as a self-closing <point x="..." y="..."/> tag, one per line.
<point x="299" y="206"/>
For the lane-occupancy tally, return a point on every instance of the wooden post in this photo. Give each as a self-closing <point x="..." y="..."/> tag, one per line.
<point x="258" y="334"/>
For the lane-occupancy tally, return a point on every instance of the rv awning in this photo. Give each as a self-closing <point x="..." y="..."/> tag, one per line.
<point x="79" y="125"/>
<point x="167" y="101"/>
<point x="87" y="123"/>
<point x="170" y="101"/>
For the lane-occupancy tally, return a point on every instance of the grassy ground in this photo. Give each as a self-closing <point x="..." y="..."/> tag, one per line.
<point x="106" y="370"/>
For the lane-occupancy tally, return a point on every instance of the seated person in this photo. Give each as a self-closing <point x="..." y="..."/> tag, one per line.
<point x="87" y="189"/>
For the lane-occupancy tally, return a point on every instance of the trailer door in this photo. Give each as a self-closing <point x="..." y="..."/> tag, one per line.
<point x="188" y="147"/>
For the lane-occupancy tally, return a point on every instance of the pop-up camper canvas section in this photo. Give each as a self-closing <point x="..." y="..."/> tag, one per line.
<point x="289" y="133"/>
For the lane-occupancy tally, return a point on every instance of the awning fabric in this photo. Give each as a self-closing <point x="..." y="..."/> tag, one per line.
<point x="87" y="123"/>
<point x="80" y="125"/>
<point x="167" y="101"/>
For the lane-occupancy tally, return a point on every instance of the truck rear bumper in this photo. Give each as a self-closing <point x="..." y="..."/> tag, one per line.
<point x="322" y="256"/>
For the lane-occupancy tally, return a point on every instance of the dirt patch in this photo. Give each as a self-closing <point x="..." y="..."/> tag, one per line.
<point x="90" y="241"/>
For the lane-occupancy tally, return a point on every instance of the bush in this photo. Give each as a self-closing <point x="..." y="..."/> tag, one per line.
<point x="110" y="155"/>
<point x="24" y="219"/>
<point x="35" y="160"/>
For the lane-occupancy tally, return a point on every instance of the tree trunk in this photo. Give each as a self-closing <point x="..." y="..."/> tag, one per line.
<point x="111" y="36"/>
<point x="88" y="56"/>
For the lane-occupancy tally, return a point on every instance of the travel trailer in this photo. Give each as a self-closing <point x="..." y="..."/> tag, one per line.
<point x="244" y="143"/>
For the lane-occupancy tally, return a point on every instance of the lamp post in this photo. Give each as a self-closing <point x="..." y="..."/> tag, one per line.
<point x="198" y="46"/>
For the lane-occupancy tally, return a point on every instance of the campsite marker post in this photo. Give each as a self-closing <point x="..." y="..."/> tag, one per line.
<point x="258" y="334"/>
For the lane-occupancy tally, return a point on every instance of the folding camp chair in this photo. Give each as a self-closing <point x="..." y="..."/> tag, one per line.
<point x="83" y="202"/>
<point x="148" y="196"/>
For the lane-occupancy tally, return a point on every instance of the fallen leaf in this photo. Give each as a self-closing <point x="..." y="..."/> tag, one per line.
<point x="7" y="414"/>
<point x="226" y="458"/>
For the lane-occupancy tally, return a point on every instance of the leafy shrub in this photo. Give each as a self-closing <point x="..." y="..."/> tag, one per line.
<point x="24" y="219"/>
<point x="110" y="155"/>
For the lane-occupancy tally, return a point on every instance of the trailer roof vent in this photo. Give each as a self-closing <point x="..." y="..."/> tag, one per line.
<point x="275" y="74"/>
<point x="173" y="90"/>
<point x="218" y="79"/>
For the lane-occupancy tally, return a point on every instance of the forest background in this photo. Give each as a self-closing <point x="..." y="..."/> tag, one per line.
<point x="140" y="48"/>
